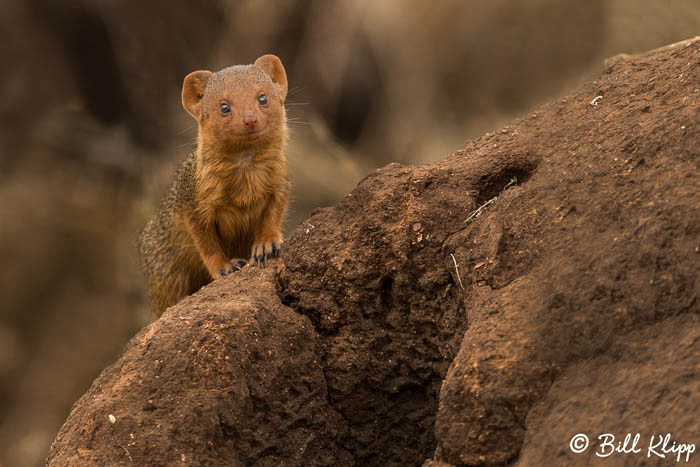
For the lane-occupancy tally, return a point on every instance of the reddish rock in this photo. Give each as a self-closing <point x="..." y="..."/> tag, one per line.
<point x="400" y="327"/>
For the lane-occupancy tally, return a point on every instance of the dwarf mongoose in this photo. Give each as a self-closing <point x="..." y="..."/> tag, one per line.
<point x="230" y="194"/>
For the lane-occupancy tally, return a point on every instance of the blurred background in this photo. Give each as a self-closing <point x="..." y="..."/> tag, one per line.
<point x="91" y="130"/>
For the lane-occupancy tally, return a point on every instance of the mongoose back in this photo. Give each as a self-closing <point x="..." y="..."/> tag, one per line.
<point x="229" y="196"/>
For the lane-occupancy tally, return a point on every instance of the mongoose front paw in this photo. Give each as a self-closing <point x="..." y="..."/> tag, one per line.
<point x="233" y="266"/>
<point x="263" y="250"/>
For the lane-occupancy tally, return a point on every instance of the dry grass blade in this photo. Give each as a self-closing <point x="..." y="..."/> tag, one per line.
<point x="477" y="212"/>
<point x="459" y="279"/>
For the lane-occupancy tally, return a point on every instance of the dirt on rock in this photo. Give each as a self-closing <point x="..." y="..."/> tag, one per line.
<point x="227" y="377"/>
<point x="401" y="329"/>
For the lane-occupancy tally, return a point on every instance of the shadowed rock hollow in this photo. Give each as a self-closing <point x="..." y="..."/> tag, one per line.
<point x="395" y="332"/>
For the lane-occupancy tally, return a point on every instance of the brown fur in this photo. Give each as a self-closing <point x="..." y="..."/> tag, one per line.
<point x="230" y="195"/>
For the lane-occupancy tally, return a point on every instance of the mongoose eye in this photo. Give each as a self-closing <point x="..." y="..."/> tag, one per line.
<point x="225" y="108"/>
<point x="262" y="98"/>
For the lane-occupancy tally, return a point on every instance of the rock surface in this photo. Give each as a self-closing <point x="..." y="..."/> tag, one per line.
<point x="219" y="380"/>
<point x="398" y="327"/>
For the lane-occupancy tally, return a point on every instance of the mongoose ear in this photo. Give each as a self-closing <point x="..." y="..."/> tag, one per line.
<point x="193" y="89"/>
<point x="272" y="65"/>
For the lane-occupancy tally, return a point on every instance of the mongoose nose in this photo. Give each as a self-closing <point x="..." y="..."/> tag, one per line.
<point x="250" y="121"/>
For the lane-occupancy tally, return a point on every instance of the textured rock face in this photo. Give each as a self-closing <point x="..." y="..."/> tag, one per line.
<point x="375" y="278"/>
<point x="646" y="383"/>
<point x="602" y="242"/>
<point x="399" y="328"/>
<point x="219" y="380"/>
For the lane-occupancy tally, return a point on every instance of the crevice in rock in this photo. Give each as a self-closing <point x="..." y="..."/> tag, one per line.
<point x="387" y="369"/>
<point x="492" y="185"/>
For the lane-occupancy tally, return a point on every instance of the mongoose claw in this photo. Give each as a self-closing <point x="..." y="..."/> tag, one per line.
<point x="262" y="251"/>
<point x="261" y="259"/>
<point x="238" y="264"/>
<point x="234" y="265"/>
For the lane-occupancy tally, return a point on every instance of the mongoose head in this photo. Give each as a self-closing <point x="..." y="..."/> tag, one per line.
<point x="239" y="108"/>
